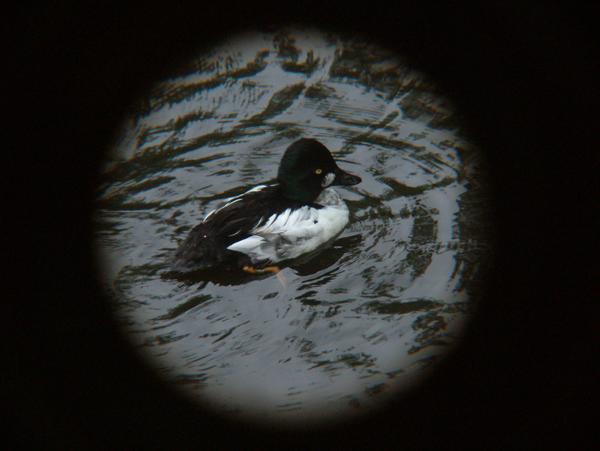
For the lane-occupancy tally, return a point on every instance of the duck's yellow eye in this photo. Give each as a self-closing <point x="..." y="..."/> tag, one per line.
<point x="318" y="171"/>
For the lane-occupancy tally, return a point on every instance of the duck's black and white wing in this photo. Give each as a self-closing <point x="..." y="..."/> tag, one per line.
<point x="293" y="232"/>
<point x="206" y="244"/>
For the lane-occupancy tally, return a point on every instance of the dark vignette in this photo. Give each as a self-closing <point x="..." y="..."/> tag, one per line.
<point x="524" y="78"/>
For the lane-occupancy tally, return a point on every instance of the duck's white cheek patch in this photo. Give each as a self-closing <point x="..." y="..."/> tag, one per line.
<point x="328" y="179"/>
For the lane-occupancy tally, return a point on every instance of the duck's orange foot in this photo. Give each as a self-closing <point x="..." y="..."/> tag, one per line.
<point x="272" y="269"/>
<point x="253" y="270"/>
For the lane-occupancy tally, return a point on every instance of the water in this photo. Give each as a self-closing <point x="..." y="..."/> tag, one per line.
<point x="354" y="323"/>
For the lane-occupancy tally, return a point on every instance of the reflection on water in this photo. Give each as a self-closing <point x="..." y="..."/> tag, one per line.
<point x="356" y="321"/>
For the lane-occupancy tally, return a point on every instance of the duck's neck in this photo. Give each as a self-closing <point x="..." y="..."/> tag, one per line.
<point x="299" y="193"/>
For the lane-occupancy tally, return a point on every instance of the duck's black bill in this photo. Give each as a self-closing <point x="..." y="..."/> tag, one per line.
<point x="345" y="178"/>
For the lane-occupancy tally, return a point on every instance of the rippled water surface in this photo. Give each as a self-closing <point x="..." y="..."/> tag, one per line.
<point x="354" y="322"/>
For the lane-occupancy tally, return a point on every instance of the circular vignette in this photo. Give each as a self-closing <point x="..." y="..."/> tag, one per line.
<point x="353" y="326"/>
<point x="491" y="384"/>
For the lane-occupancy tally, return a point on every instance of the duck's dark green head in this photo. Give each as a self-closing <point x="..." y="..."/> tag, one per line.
<point x="307" y="168"/>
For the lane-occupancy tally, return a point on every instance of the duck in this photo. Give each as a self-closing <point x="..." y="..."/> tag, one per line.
<point x="273" y="222"/>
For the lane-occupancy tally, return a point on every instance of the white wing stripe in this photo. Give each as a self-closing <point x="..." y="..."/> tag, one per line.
<point x="232" y="200"/>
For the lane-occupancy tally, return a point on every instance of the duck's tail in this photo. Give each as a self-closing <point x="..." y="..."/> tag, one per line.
<point x="197" y="251"/>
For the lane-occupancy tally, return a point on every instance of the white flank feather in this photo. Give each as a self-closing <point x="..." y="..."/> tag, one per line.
<point x="295" y="232"/>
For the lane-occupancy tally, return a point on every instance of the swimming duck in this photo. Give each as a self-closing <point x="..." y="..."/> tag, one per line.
<point x="273" y="222"/>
